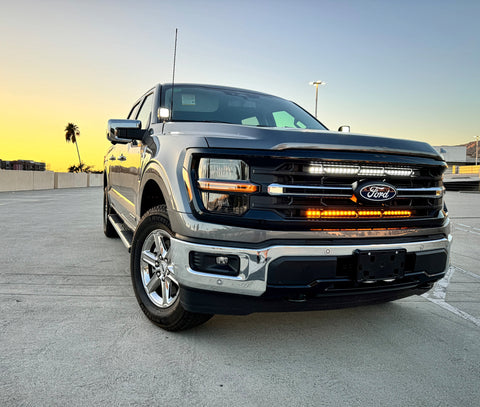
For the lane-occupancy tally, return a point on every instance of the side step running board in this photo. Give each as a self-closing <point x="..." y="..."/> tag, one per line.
<point x="125" y="234"/>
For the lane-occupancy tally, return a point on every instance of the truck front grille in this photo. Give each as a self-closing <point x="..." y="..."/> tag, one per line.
<point x="294" y="188"/>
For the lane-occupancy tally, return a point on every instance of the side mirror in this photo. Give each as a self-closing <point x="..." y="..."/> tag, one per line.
<point x="124" y="131"/>
<point x="344" y="129"/>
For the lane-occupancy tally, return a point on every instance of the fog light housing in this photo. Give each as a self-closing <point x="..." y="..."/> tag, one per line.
<point x="226" y="265"/>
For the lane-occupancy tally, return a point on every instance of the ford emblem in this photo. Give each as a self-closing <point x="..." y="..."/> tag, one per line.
<point x="377" y="192"/>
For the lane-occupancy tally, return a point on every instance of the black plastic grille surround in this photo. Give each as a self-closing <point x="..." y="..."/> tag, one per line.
<point x="418" y="190"/>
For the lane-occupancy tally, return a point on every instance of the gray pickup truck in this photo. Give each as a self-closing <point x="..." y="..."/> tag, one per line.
<point x="233" y="201"/>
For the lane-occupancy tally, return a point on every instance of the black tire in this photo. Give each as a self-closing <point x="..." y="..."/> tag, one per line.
<point x="108" y="229"/>
<point x="153" y="279"/>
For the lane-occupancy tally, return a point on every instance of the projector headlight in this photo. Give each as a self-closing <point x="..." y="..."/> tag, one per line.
<point x="224" y="185"/>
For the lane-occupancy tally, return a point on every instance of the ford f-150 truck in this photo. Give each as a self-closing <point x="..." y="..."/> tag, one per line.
<point x="233" y="201"/>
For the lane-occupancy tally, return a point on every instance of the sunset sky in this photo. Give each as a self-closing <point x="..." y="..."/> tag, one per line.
<point x="406" y="68"/>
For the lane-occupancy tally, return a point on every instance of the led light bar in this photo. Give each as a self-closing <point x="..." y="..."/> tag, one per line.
<point x="348" y="214"/>
<point x="313" y="213"/>
<point x="368" y="171"/>
<point x="369" y="214"/>
<point x="227" y="186"/>
<point x="397" y="214"/>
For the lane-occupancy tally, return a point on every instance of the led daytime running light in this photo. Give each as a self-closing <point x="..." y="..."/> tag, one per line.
<point x="339" y="169"/>
<point x="224" y="186"/>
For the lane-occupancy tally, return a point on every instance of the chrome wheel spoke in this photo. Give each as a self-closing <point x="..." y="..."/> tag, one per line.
<point x="149" y="258"/>
<point x="154" y="283"/>
<point x="170" y="277"/>
<point x="156" y="270"/>
<point x="165" y="291"/>
<point x="160" y="246"/>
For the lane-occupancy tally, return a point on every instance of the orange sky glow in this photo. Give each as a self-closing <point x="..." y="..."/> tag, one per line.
<point x="87" y="62"/>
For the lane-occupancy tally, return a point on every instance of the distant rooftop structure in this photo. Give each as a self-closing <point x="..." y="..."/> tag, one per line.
<point x="22" y="165"/>
<point x="453" y="154"/>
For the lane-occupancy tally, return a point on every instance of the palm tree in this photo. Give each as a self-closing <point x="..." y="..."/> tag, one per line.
<point x="71" y="133"/>
<point x="80" y="168"/>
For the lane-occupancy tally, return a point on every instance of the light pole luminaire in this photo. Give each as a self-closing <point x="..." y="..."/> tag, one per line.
<point x="316" y="83"/>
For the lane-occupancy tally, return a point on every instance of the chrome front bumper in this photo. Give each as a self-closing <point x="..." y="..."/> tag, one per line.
<point x="254" y="264"/>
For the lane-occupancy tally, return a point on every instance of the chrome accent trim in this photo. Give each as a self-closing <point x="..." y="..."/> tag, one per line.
<point x="282" y="190"/>
<point x="424" y="192"/>
<point x="115" y="124"/>
<point x="252" y="278"/>
<point x="279" y="189"/>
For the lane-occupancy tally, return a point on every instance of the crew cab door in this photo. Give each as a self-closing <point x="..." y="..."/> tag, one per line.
<point x="125" y="166"/>
<point x="132" y="166"/>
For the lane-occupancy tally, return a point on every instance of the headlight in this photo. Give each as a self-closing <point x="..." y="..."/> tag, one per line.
<point x="224" y="185"/>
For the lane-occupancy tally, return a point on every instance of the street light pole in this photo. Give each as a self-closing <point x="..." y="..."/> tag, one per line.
<point x="476" y="149"/>
<point x="316" y="83"/>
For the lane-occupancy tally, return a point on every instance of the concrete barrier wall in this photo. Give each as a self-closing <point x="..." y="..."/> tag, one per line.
<point x="35" y="180"/>
<point x="43" y="179"/>
<point x="70" y="180"/>
<point x="16" y="180"/>
<point x="95" y="180"/>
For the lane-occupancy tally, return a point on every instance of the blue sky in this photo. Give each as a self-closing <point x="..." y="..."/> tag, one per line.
<point x="400" y="69"/>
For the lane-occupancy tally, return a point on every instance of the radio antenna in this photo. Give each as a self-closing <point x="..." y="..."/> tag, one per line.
<point x="173" y="74"/>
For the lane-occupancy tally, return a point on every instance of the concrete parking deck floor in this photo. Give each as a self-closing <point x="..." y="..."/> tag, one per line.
<point x="71" y="332"/>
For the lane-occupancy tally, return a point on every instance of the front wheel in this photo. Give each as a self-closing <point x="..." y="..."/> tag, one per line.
<point x="153" y="275"/>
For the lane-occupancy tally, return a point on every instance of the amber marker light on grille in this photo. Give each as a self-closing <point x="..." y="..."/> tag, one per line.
<point x="369" y="214"/>
<point x="313" y="213"/>
<point x="332" y="214"/>
<point x="339" y="214"/>
<point x="398" y="214"/>
<point x="224" y="186"/>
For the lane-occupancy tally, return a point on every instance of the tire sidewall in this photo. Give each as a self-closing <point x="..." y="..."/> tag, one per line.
<point x="152" y="221"/>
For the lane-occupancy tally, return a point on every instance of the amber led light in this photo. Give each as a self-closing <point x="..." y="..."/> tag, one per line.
<point x="187" y="183"/>
<point x="398" y="214"/>
<point x="369" y="214"/>
<point x="224" y="186"/>
<point x="329" y="214"/>
<point x="312" y="213"/>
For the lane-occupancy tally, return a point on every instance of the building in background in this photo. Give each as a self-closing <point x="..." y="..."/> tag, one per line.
<point x="22" y="165"/>
<point x="453" y="155"/>
<point x="458" y="155"/>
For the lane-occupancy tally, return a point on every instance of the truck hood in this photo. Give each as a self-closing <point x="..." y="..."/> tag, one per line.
<point x="219" y="135"/>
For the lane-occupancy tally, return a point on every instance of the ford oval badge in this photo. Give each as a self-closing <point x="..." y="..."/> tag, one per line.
<point x="377" y="192"/>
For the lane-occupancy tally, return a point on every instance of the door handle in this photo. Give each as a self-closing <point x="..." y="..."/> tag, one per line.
<point x="122" y="158"/>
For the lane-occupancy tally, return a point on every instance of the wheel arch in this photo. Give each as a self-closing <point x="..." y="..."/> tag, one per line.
<point x="154" y="191"/>
<point x="152" y="196"/>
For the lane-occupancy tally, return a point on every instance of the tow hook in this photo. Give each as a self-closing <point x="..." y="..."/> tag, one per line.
<point x="299" y="298"/>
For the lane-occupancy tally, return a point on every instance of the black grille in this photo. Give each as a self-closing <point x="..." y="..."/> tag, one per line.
<point x="290" y="189"/>
<point x="292" y="182"/>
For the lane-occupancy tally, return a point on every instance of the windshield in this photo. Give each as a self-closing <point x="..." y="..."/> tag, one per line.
<point x="235" y="106"/>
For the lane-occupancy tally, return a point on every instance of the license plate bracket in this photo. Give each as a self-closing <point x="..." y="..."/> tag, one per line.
<point x="380" y="265"/>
